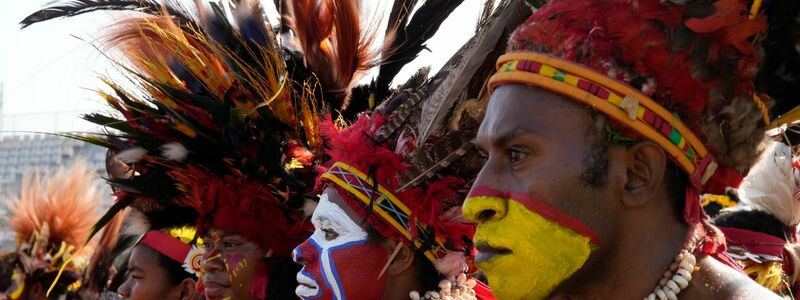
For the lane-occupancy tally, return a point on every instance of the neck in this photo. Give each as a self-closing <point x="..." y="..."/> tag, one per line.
<point x="646" y="245"/>
<point x="398" y="286"/>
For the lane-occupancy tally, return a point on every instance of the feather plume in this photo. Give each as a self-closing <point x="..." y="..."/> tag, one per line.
<point x="337" y="47"/>
<point x="77" y="7"/>
<point x="772" y="185"/>
<point x="65" y="202"/>
<point x="174" y="151"/>
<point x="409" y="40"/>
<point x="132" y="155"/>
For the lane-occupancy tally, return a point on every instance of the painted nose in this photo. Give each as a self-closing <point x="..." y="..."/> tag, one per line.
<point x="302" y="254"/>
<point x="481" y="209"/>
<point x="212" y="261"/>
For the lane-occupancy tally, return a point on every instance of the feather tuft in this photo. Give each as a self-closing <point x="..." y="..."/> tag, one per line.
<point x="772" y="185"/>
<point x="132" y="155"/>
<point x="174" y="151"/>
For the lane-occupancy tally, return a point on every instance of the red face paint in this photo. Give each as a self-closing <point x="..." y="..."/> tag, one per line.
<point x="340" y="266"/>
<point x="541" y="208"/>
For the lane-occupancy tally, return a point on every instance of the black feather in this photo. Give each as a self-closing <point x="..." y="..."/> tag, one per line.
<point x="410" y="40"/>
<point x="77" y="7"/>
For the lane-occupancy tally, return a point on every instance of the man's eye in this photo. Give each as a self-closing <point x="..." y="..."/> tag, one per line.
<point x="330" y="234"/>
<point x="482" y="153"/>
<point x="230" y="244"/>
<point x="516" y="156"/>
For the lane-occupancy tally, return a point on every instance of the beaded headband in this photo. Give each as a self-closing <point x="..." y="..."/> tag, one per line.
<point x="386" y="205"/>
<point x="622" y="103"/>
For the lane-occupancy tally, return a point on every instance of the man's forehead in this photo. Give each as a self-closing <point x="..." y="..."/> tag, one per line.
<point x="520" y="109"/>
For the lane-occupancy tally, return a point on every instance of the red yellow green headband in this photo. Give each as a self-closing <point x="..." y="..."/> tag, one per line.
<point x="624" y="104"/>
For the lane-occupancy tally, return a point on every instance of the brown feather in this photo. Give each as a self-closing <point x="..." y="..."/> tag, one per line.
<point x="460" y="74"/>
<point x="337" y="48"/>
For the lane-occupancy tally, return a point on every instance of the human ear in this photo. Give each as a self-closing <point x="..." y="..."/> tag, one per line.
<point x="400" y="259"/>
<point x="188" y="289"/>
<point x="646" y="165"/>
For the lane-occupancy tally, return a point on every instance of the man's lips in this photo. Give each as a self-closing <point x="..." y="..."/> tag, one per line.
<point x="306" y="287"/>
<point x="487" y="252"/>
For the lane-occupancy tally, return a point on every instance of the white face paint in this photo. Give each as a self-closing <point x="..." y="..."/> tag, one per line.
<point x="332" y="256"/>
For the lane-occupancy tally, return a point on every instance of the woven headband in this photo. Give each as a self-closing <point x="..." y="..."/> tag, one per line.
<point x="386" y="205"/>
<point x="620" y="102"/>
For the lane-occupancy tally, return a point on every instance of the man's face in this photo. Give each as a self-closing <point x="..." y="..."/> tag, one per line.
<point x="229" y="265"/>
<point x="339" y="262"/>
<point x="539" y="199"/>
<point x="147" y="279"/>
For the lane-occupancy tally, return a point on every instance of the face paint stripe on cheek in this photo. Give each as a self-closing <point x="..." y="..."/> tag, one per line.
<point x="543" y="209"/>
<point x="328" y="276"/>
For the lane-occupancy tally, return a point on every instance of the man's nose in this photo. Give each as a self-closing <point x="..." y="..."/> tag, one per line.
<point x="303" y="253"/>
<point x="212" y="262"/>
<point x="484" y="208"/>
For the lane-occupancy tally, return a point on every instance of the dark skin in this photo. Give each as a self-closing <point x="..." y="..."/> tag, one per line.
<point x="537" y="143"/>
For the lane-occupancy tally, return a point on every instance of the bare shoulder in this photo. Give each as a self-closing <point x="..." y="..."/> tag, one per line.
<point x="714" y="280"/>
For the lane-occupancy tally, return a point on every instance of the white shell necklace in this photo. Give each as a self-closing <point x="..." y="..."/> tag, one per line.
<point x="677" y="278"/>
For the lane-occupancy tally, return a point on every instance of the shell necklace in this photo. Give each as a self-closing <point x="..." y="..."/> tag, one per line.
<point x="677" y="277"/>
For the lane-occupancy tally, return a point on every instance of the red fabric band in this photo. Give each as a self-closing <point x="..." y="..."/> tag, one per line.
<point x="166" y="244"/>
<point x="754" y="242"/>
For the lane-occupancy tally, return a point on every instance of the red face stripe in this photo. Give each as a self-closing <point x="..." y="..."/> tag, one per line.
<point x="543" y="209"/>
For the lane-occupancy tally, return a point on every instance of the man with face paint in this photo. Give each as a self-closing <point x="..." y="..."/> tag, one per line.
<point x="374" y="240"/>
<point x="388" y="223"/>
<point x="606" y="121"/>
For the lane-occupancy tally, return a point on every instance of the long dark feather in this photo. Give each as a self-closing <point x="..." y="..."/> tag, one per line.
<point x="476" y="55"/>
<point x="77" y="7"/>
<point x="410" y="40"/>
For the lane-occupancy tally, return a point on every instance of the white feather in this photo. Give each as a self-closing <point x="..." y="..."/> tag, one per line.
<point x="771" y="185"/>
<point x="132" y="155"/>
<point x="174" y="151"/>
<point x="136" y="223"/>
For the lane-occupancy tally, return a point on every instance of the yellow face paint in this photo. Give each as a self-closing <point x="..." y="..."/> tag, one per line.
<point x="546" y="247"/>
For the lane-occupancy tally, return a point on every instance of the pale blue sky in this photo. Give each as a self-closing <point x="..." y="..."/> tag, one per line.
<point x="48" y="72"/>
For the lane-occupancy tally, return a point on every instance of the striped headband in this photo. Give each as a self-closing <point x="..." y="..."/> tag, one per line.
<point x="386" y="205"/>
<point x="622" y="103"/>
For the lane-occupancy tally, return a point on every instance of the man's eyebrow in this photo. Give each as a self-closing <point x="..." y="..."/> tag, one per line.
<point x="505" y="137"/>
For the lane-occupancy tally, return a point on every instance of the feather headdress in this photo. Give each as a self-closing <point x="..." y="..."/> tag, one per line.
<point x="221" y="117"/>
<point x="409" y="188"/>
<point x="51" y="217"/>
